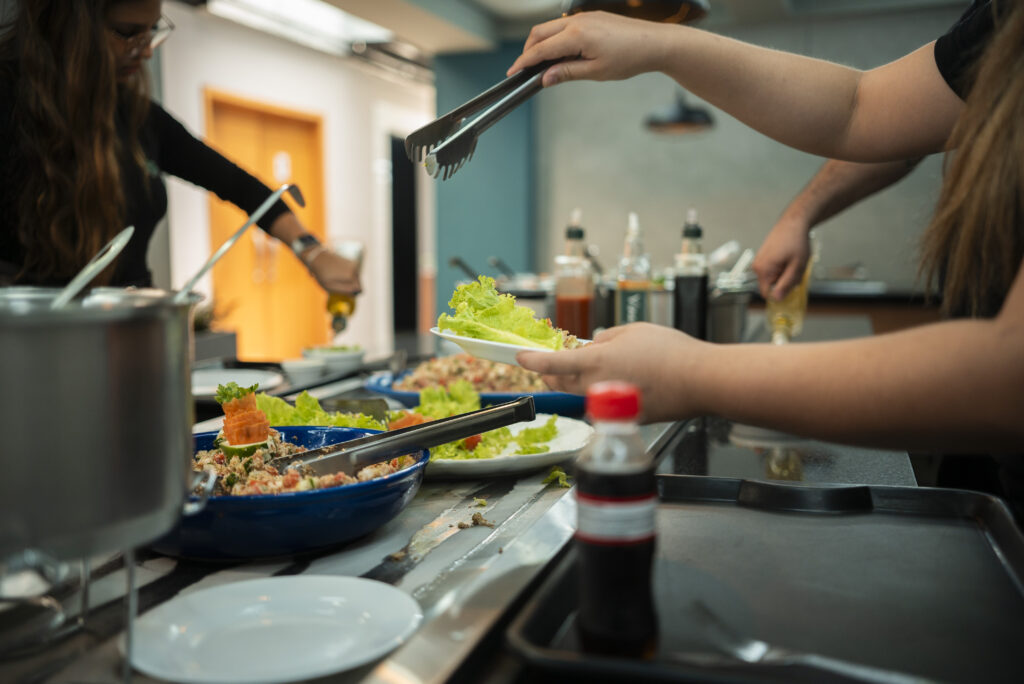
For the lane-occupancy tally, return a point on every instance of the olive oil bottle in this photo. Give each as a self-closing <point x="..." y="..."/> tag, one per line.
<point x="634" y="282"/>
<point x="786" y="315"/>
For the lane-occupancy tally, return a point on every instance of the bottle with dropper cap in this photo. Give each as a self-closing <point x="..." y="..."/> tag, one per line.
<point x="574" y="283"/>
<point x="690" y="297"/>
<point x="634" y="281"/>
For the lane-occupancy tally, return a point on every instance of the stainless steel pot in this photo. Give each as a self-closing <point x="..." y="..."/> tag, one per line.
<point x="95" y="419"/>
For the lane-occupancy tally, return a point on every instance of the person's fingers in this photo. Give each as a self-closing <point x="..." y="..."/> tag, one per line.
<point x="609" y="334"/>
<point x="766" y="282"/>
<point x="542" y="32"/>
<point x="552" y="363"/>
<point x="559" y="46"/>
<point x="575" y="70"/>
<point x="790" y="276"/>
<point x="563" y="383"/>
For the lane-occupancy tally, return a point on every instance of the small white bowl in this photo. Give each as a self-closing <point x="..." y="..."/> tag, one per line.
<point x="337" y="360"/>
<point x="304" y="371"/>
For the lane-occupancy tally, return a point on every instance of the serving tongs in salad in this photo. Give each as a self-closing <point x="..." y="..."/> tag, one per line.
<point x="349" y="457"/>
<point x="447" y="143"/>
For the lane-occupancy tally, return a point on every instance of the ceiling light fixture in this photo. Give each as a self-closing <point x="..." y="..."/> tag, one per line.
<point x="312" y="23"/>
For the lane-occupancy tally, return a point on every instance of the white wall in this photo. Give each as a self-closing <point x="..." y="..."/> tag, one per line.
<point x="594" y="153"/>
<point x="358" y="105"/>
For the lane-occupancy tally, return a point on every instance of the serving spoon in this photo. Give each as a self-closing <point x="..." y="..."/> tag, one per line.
<point x="296" y="194"/>
<point x="92" y="269"/>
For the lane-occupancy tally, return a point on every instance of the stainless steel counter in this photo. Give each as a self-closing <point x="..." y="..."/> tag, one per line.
<point x="466" y="580"/>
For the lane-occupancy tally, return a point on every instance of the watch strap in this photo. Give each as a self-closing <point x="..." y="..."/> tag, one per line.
<point x="304" y="242"/>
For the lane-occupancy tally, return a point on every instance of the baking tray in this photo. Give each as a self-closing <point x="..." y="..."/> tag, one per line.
<point x="922" y="581"/>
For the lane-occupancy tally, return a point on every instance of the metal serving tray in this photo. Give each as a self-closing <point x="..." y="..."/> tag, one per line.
<point x="926" y="582"/>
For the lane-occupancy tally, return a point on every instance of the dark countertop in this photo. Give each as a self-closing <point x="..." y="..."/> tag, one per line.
<point x="835" y="291"/>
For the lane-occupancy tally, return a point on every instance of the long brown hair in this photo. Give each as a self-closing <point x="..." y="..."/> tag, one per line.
<point x="975" y="243"/>
<point x="69" y="199"/>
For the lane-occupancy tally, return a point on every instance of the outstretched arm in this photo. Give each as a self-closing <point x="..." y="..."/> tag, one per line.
<point x="334" y="272"/>
<point x="901" y="110"/>
<point x="953" y="385"/>
<point x="782" y="258"/>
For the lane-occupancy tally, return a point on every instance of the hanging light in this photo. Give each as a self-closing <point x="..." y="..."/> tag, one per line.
<point x="681" y="117"/>
<point x="669" y="11"/>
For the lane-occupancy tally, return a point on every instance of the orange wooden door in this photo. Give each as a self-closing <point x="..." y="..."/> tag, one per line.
<point x="261" y="291"/>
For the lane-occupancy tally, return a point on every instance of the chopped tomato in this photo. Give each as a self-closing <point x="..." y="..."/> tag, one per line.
<point x="471" y="442"/>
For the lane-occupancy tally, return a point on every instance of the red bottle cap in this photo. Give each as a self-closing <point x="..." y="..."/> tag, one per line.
<point x="613" y="400"/>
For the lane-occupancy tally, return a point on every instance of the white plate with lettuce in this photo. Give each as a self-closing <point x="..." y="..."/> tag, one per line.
<point x="490" y="325"/>
<point x="500" y="352"/>
<point x="551" y="447"/>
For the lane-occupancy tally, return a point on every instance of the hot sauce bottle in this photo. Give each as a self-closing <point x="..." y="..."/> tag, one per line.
<point x="574" y="283"/>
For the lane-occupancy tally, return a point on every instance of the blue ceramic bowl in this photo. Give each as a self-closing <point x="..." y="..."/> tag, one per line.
<point x="562" y="403"/>
<point x="270" y="525"/>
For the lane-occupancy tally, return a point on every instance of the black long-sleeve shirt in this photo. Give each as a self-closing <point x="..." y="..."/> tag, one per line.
<point x="169" y="148"/>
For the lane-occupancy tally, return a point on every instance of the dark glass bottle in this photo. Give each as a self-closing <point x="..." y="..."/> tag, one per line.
<point x="690" y="297"/>
<point x="615" y="534"/>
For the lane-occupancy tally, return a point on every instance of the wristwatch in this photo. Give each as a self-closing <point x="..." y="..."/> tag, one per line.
<point x="304" y="242"/>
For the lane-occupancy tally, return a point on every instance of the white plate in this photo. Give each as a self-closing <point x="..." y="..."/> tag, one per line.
<point x="572" y="436"/>
<point x="275" y="629"/>
<point x="205" y="380"/>
<point x="484" y="349"/>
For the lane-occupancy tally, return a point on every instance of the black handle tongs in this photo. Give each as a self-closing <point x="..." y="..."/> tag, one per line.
<point x="447" y="144"/>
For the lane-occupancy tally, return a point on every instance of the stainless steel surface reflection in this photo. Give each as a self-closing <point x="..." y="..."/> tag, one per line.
<point x="720" y="448"/>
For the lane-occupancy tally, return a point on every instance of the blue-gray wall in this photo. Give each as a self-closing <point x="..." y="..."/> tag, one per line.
<point x="487" y="208"/>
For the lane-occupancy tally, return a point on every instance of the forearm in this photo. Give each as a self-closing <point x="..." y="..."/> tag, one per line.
<point x="900" y="110"/>
<point x="799" y="101"/>
<point x="839" y="185"/>
<point x="287" y="227"/>
<point x="952" y="385"/>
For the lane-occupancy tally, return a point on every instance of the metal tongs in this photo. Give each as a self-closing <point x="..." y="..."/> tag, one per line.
<point x="348" y="457"/>
<point x="448" y="144"/>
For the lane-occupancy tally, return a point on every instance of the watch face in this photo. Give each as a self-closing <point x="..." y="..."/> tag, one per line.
<point x="304" y="242"/>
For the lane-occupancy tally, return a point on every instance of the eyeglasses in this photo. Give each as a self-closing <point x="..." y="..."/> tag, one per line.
<point x="150" y="38"/>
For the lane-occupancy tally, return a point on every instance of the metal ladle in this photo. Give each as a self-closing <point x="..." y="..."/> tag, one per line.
<point x="296" y="194"/>
<point x="92" y="269"/>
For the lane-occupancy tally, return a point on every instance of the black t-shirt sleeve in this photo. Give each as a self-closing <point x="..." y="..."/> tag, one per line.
<point x="957" y="50"/>
<point x="181" y="154"/>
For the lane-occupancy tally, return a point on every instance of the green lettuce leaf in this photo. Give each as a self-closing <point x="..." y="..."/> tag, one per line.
<point x="491" y="444"/>
<point x="232" y="391"/>
<point x="532" y="440"/>
<point x="460" y="397"/>
<point x="440" y="402"/>
<point x="307" y="411"/>
<point x="557" y="475"/>
<point x="482" y="313"/>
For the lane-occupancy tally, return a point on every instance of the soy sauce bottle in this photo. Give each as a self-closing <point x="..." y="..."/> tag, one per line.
<point x="690" y="297"/>
<point x="615" y="533"/>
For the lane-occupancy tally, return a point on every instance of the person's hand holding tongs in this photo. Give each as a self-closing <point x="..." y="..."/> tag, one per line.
<point x="445" y="155"/>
